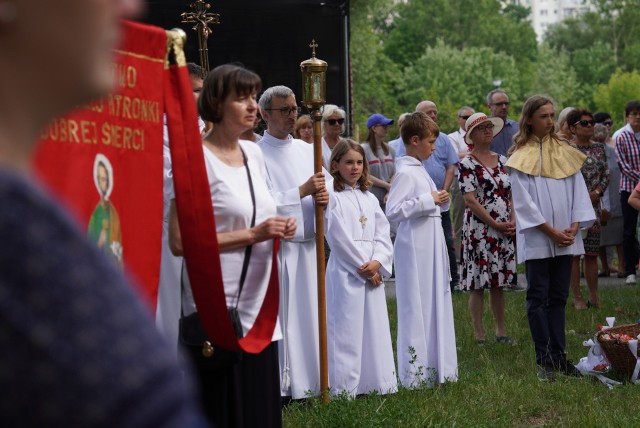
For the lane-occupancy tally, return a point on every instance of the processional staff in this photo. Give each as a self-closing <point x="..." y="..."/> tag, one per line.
<point x="314" y="79"/>
<point x="202" y="19"/>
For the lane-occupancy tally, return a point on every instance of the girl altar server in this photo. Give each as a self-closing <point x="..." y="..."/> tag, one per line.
<point x="426" y="336"/>
<point x="359" y="340"/>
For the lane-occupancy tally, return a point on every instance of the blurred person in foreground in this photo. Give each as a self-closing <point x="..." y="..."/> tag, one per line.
<point x="80" y="349"/>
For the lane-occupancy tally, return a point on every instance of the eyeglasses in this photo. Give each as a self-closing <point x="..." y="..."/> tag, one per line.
<point x="333" y="122"/>
<point x="464" y="117"/>
<point x="286" y="111"/>
<point x="634" y="113"/>
<point x="485" y="127"/>
<point x="607" y="123"/>
<point x="585" y="123"/>
<point x="504" y="104"/>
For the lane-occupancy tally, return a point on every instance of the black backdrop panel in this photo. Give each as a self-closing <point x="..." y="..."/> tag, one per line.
<point x="269" y="37"/>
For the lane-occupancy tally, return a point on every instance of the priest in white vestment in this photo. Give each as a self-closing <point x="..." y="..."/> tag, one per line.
<point x="426" y="345"/>
<point x="294" y="187"/>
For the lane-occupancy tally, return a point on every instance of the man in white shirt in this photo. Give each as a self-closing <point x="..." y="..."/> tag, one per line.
<point x="461" y="148"/>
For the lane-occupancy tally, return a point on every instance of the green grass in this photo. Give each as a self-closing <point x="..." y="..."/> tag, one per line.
<point x="497" y="384"/>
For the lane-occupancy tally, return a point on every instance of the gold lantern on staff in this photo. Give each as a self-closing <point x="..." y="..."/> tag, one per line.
<point x="314" y="82"/>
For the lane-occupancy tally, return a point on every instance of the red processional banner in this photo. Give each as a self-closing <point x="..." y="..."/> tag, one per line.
<point x="105" y="160"/>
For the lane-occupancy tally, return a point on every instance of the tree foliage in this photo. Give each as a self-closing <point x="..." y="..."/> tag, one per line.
<point x="454" y="77"/>
<point x="449" y="52"/>
<point x="421" y="24"/>
<point x="621" y="88"/>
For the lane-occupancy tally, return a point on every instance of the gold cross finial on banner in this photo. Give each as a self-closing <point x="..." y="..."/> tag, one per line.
<point x="202" y="19"/>
<point x="313" y="45"/>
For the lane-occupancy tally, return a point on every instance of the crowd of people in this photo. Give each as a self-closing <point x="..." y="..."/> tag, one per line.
<point x="534" y="191"/>
<point x="442" y="213"/>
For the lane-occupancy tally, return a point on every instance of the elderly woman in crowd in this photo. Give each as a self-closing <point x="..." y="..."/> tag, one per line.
<point x="379" y="156"/>
<point x="563" y="131"/>
<point x="303" y="129"/>
<point x="246" y="224"/>
<point x="488" y="252"/>
<point x="595" y="171"/>
<point x="333" y="118"/>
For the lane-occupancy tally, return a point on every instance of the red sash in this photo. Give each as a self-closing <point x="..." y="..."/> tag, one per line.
<point x="197" y="222"/>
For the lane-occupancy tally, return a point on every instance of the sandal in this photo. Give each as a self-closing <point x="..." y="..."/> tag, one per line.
<point x="506" y="340"/>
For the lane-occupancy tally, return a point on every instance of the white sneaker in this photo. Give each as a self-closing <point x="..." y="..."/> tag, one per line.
<point x="631" y="279"/>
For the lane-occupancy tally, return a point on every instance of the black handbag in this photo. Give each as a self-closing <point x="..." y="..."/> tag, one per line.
<point x="203" y="354"/>
<point x="192" y="337"/>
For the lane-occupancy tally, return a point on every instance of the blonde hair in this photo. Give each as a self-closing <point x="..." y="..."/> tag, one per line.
<point x="341" y="149"/>
<point x="524" y="134"/>
<point x="301" y="123"/>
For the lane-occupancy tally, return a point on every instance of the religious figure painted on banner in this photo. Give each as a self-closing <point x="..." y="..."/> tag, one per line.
<point x="104" y="224"/>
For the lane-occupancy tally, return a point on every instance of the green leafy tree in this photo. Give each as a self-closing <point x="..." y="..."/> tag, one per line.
<point x="375" y="76"/>
<point x="420" y="24"/>
<point x="621" y="88"/>
<point x="557" y="78"/>
<point x="455" y="77"/>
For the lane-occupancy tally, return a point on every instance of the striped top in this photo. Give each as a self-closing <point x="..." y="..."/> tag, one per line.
<point x="628" y="153"/>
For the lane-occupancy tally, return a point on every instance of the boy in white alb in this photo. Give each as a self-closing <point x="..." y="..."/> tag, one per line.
<point x="426" y="336"/>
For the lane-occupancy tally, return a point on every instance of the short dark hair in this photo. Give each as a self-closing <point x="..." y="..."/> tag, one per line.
<point x="631" y="106"/>
<point x="195" y="70"/>
<point x="219" y="84"/>
<point x="601" y="116"/>
<point x="418" y="123"/>
<point x="575" y="115"/>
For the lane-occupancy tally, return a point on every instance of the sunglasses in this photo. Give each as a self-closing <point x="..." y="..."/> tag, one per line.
<point x="504" y="104"/>
<point x="464" y="117"/>
<point x="333" y="122"/>
<point x="607" y="123"/>
<point x="585" y="123"/>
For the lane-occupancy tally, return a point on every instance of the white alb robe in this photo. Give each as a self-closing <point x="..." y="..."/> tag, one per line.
<point x="560" y="203"/>
<point x="426" y="346"/>
<point x="360" y="352"/>
<point x="289" y="164"/>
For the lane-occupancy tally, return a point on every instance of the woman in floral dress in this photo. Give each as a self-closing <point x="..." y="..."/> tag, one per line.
<point x="595" y="171"/>
<point x="488" y="252"/>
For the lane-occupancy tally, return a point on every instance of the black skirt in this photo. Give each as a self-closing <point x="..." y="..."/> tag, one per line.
<point x="245" y="395"/>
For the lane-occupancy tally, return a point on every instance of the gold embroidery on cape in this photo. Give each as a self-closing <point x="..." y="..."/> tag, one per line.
<point x="559" y="159"/>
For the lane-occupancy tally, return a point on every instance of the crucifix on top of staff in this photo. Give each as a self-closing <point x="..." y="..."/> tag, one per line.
<point x="202" y="18"/>
<point x="314" y="79"/>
